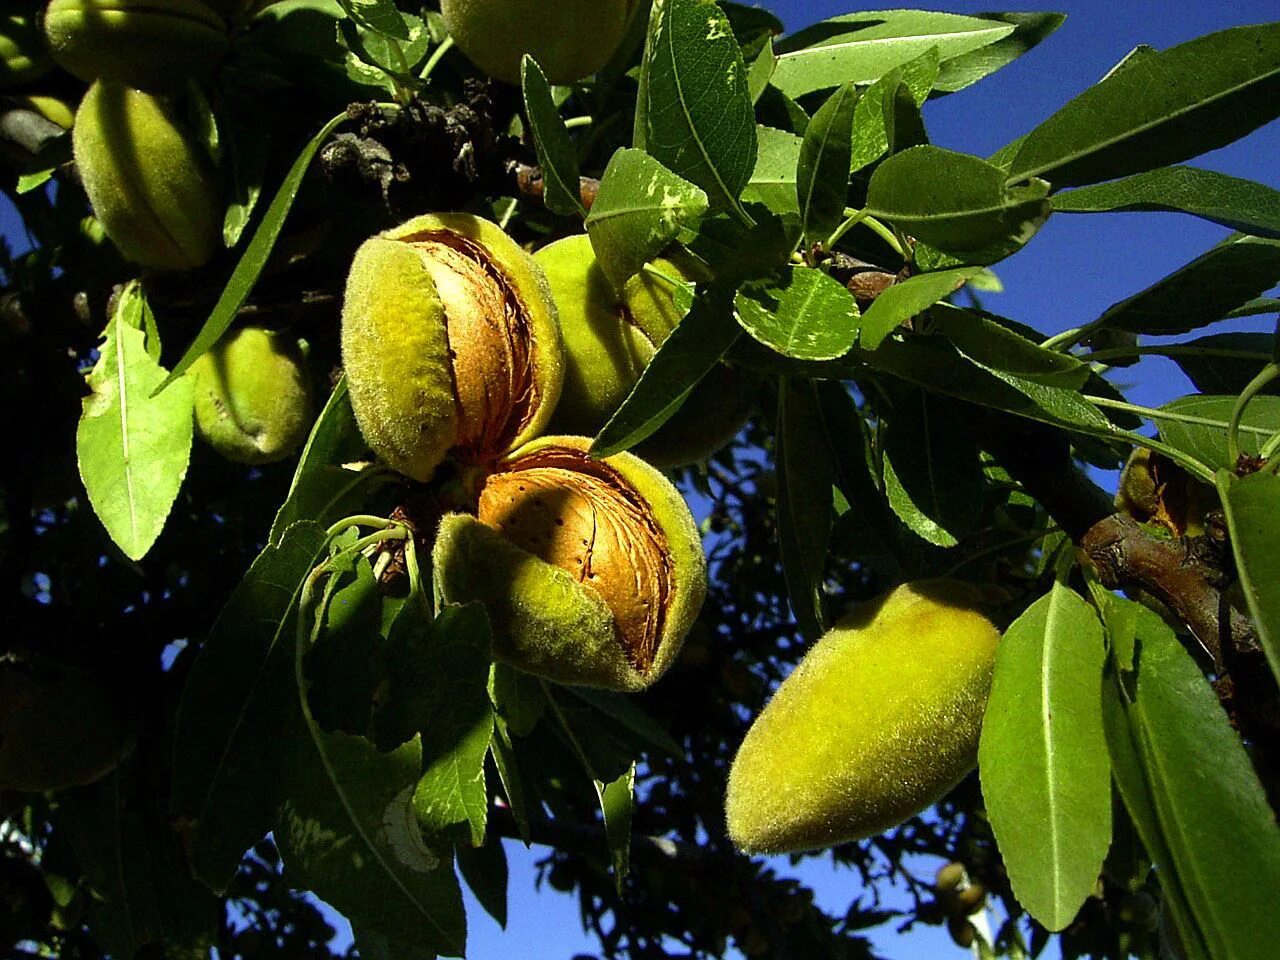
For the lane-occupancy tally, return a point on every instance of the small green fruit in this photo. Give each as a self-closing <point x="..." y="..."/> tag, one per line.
<point x="608" y="341"/>
<point x="878" y="721"/>
<point x="592" y="570"/>
<point x="23" y="55"/>
<point x="141" y="43"/>
<point x="450" y="342"/>
<point x="570" y="39"/>
<point x="149" y="181"/>
<point x="253" y="396"/>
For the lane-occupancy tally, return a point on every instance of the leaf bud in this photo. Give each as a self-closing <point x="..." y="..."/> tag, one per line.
<point x="592" y="571"/>
<point x="878" y="721"/>
<point x="450" y="342"/>
<point x="149" y="181"/>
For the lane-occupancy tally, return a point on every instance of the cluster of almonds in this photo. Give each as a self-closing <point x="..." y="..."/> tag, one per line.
<point x="592" y="570"/>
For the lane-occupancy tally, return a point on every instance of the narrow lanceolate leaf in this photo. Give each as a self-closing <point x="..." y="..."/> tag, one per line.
<point x="985" y="339"/>
<point x="347" y="832"/>
<point x="1243" y="205"/>
<point x="801" y="313"/>
<point x="237" y="723"/>
<point x="822" y="178"/>
<point x="132" y="447"/>
<point x="862" y="47"/>
<point x="696" y="345"/>
<point x="902" y="301"/>
<point x="932" y="474"/>
<point x="556" y="154"/>
<point x="1204" y="434"/>
<point x="381" y="16"/>
<point x="639" y="210"/>
<point x="957" y="203"/>
<point x="450" y="666"/>
<point x="1042" y="758"/>
<point x="773" y="182"/>
<point x="1252" y="505"/>
<point x="805" y="476"/>
<point x="1224" y="362"/>
<point x="698" y="115"/>
<point x="1205" y="290"/>
<point x="1160" y="108"/>
<point x="1204" y="807"/>
<point x="870" y="135"/>
<point x="1029" y="29"/>
<point x="255" y="255"/>
<point x="617" y="803"/>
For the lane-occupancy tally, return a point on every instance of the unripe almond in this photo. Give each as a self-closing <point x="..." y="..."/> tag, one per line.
<point x="253" y="396"/>
<point x="23" y="55"/>
<point x="150" y="182"/>
<point x="592" y="570"/>
<point x="147" y="44"/>
<point x="450" y="342"/>
<point x="609" y="338"/>
<point x="570" y="39"/>
<point x="878" y="721"/>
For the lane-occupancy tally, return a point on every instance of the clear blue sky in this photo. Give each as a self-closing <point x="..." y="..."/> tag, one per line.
<point x="1073" y="270"/>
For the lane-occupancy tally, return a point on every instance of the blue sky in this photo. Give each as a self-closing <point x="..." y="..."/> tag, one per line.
<point x="1073" y="271"/>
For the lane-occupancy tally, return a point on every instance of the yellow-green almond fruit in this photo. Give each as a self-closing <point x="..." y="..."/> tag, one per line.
<point x="150" y="182"/>
<point x="154" y="45"/>
<point x="450" y="342"/>
<point x="610" y="338"/>
<point x="253" y="396"/>
<point x="51" y="108"/>
<point x="23" y="54"/>
<point x="878" y="721"/>
<point x="570" y="39"/>
<point x="56" y="733"/>
<point x="591" y="570"/>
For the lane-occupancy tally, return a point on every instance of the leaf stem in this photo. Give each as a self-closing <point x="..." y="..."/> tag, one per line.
<point x="856" y="217"/>
<point x="1255" y="386"/>
<point x="436" y="56"/>
<point x="585" y="120"/>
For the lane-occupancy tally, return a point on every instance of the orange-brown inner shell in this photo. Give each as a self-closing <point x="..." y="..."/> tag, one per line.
<point x="490" y="345"/>
<point x="581" y="515"/>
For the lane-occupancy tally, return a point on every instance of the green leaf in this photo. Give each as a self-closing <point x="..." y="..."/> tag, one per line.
<point x="957" y="203"/>
<point x="236" y="724"/>
<point x="932" y="473"/>
<point x="1207" y="441"/>
<point x="347" y="832"/>
<point x="862" y="47"/>
<point x="380" y="16"/>
<point x="256" y="254"/>
<point x="696" y="345"/>
<point x="697" y="110"/>
<point x="983" y="339"/>
<point x="761" y="72"/>
<point x="801" y="313"/>
<point x="1205" y="290"/>
<point x="904" y="300"/>
<point x="449" y="678"/>
<point x="503" y="752"/>
<point x="556" y="154"/>
<point x="804" y="502"/>
<point x="330" y="482"/>
<point x="485" y="870"/>
<point x="1223" y="362"/>
<point x="1205" y="806"/>
<point x="1161" y="108"/>
<point x="1042" y="757"/>
<point x="133" y="447"/>
<point x="1029" y="29"/>
<point x="625" y="711"/>
<point x="517" y="697"/>
<point x="617" y="803"/>
<point x="773" y="183"/>
<point x="1252" y="505"/>
<point x="640" y="209"/>
<point x="1243" y="205"/>
<point x="822" y="177"/>
<point x="870" y="135"/>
